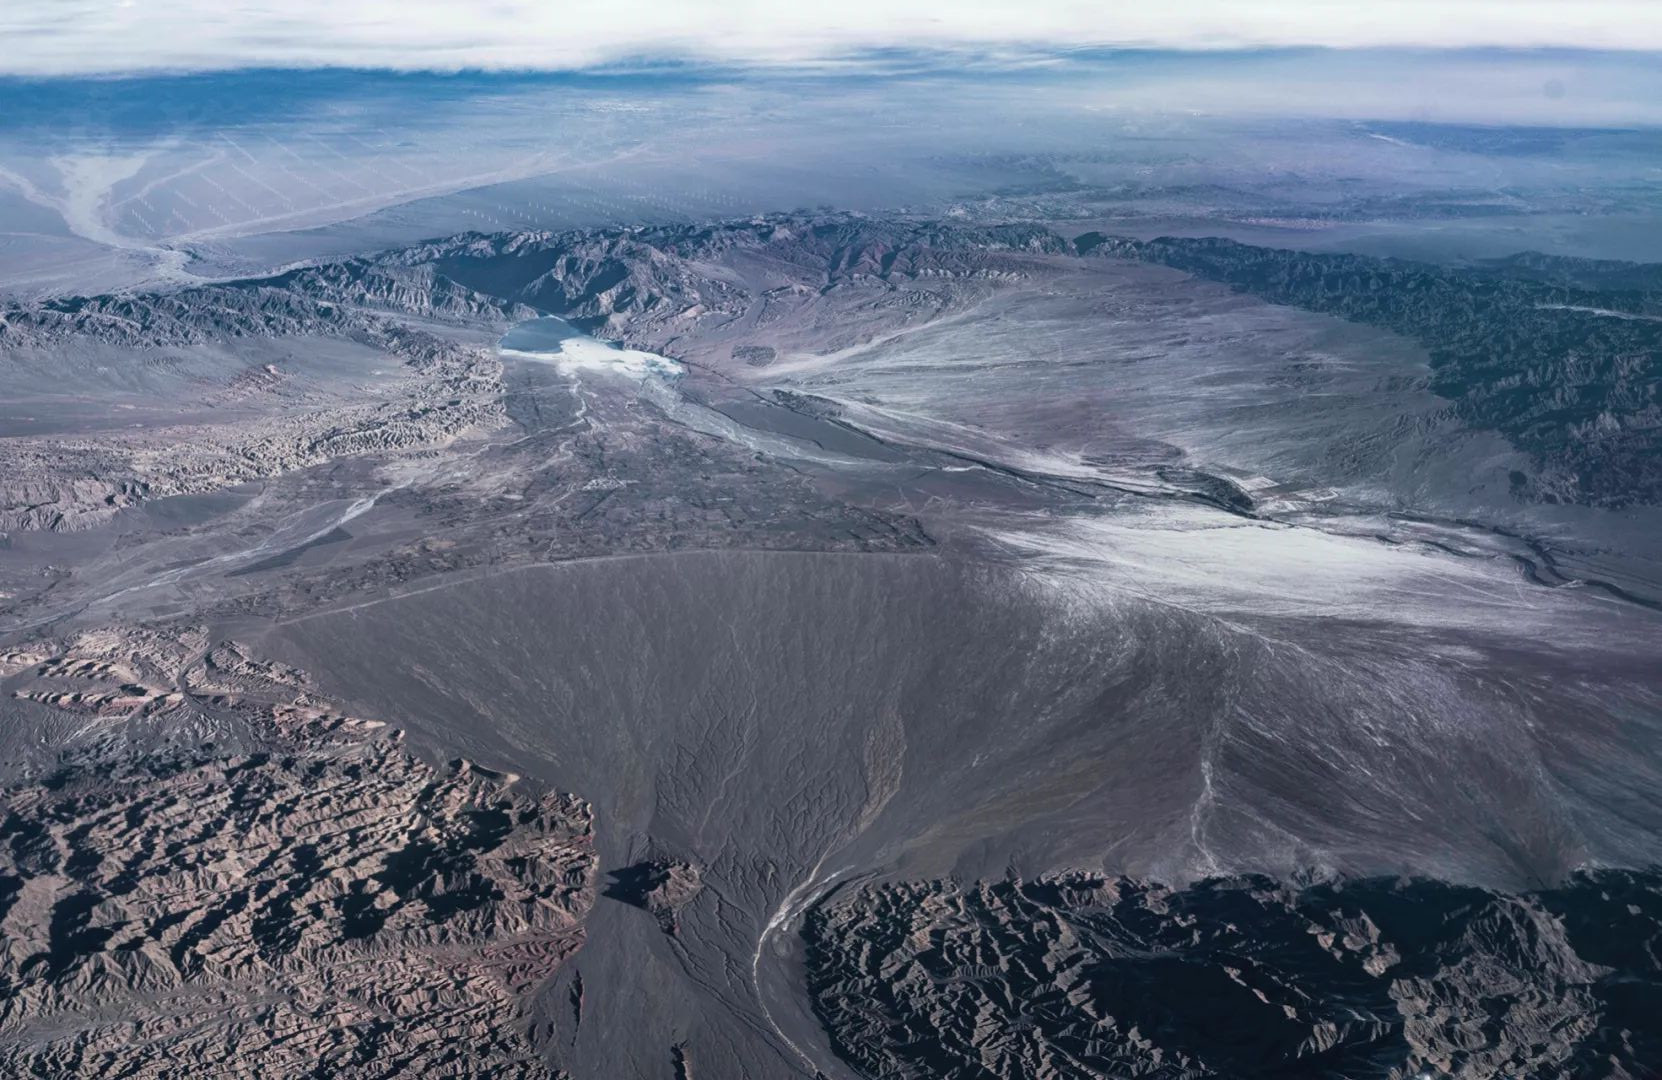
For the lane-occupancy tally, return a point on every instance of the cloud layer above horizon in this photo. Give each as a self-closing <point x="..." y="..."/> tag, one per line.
<point x="102" y="37"/>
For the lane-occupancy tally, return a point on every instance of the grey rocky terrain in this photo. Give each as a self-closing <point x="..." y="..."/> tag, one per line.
<point x="860" y="647"/>
<point x="1562" y="356"/>
<point x="1087" y="976"/>
<point x="336" y="369"/>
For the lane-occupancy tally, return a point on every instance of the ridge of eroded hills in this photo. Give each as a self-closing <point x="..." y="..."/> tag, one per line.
<point x="1562" y="356"/>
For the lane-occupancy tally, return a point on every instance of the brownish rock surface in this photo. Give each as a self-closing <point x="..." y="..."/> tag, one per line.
<point x="308" y="898"/>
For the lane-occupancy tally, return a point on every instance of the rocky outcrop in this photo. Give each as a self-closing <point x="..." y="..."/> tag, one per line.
<point x="641" y="282"/>
<point x="305" y="897"/>
<point x="349" y="296"/>
<point x="662" y="886"/>
<point x="1084" y="976"/>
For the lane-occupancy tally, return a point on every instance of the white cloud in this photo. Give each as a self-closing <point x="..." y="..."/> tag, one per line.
<point x="51" y="37"/>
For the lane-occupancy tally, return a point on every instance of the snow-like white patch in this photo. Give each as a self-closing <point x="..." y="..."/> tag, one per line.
<point x="592" y="355"/>
<point x="1607" y="313"/>
<point x="1195" y="558"/>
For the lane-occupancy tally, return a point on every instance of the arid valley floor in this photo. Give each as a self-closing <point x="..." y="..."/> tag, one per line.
<point x="834" y="644"/>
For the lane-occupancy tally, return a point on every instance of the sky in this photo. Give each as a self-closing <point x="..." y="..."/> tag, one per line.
<point x="47" y="38"/>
